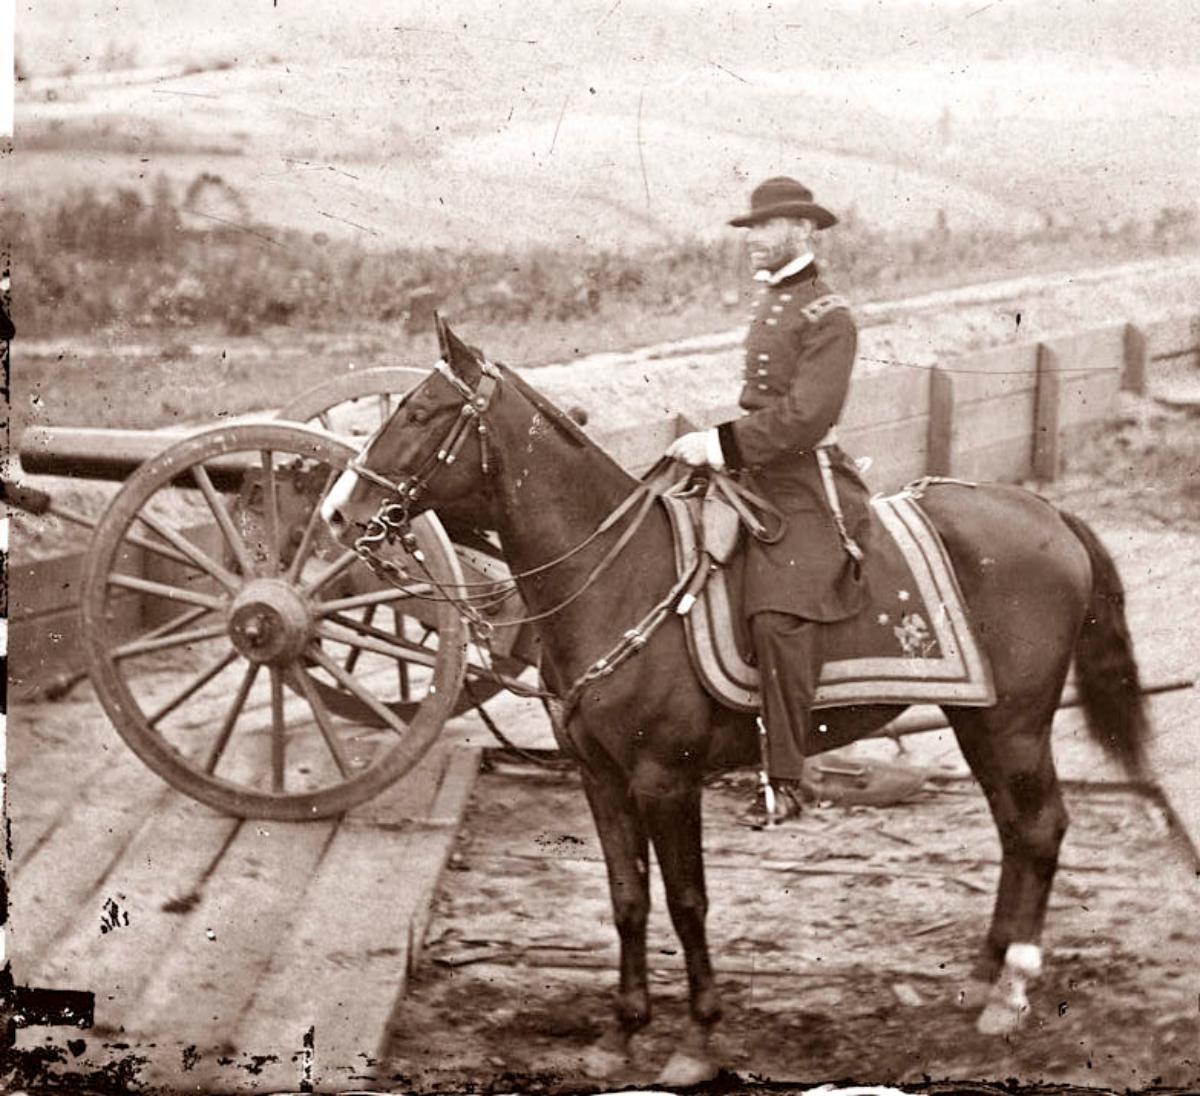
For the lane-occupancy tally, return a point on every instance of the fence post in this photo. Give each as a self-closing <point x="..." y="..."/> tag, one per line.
<point x="1047" y="401"/>
<point x="1133" y="376"/>
<point x="939" y="441"/>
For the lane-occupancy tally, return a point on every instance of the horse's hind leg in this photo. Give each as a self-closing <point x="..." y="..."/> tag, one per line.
<point x="625" y="854"/>
<point x="1008" y="749"/>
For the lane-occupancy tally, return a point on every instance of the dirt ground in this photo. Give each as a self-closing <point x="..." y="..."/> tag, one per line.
<point x="839" y="945"/>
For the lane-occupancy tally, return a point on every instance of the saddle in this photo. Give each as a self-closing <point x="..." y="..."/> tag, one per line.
<point x="912" y="643"/>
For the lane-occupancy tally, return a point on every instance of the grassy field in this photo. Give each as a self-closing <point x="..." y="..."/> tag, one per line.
<point x="278" y="180"/>
<point x="492" y="125"/>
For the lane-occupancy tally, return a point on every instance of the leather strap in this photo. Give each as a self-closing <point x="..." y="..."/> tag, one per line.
<point x="835" y="505"/>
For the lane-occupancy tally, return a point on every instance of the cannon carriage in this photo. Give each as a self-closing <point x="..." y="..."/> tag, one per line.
<point x="242" y="654"/>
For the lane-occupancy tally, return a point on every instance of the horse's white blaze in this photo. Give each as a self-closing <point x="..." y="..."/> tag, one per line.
<point x="339" y="495"/>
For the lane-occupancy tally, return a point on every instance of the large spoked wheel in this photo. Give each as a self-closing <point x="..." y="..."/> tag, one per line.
<point x="354" y="405"/>
<point x="219" y="614"/>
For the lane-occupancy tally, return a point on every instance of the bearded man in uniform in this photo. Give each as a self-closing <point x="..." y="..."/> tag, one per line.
<point x="799" y="356"/>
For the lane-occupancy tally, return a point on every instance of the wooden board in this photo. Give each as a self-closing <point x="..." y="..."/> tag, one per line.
<point x="898" y="452"/>
<point x="358" y="936"/>
<point x="202" y="937"/>
<point x="995" y="437"/>
<point x="1173" y="337"/>
<point x="68" y="870"/>
<point x="43" y="605"/>
<point x="993" y="374"/>
<point x="887" y="396"/>
<point x="1091" y="365"/>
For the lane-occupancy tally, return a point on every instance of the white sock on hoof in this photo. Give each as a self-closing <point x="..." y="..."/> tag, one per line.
<point x="1024" y="959"/>
<point x="1008" y="1002"/>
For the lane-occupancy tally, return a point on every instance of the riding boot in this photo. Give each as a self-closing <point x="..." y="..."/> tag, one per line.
<point x="789" y="665"/>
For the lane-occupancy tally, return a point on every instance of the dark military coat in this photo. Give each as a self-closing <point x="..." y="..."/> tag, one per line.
<point x="799" y="355"/>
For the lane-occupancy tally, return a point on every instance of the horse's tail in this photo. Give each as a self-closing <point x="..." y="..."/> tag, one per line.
<point x="1106" y="672"/>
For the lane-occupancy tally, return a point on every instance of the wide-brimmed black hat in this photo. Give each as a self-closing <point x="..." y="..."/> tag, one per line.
<point x="783" y="197"/>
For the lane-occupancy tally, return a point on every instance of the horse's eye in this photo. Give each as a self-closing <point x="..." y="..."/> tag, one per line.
<point x="418" y="415"/>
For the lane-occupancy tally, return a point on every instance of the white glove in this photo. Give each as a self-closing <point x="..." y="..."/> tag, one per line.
<point x="698" y="448"/>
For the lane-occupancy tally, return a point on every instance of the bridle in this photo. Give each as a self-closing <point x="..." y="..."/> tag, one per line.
<point x="393" y="520"/>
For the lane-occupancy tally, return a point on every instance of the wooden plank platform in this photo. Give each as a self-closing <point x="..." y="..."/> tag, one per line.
<point x="223" y="954"/>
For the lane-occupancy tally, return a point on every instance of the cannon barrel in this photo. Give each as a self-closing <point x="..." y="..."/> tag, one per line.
<point x="89" y="453"/>
<point x="114" y="455"/>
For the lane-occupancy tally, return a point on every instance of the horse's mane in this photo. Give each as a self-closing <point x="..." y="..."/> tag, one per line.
<point x="566" y="425"/>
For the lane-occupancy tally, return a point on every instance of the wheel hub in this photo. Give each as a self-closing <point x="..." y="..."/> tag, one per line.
<point x="270" y="622"/>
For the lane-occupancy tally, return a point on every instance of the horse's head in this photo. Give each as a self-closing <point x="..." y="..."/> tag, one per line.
<point x="433" y="452"/>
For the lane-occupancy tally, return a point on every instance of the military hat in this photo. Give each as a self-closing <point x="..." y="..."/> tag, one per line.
<point x="783" y="197"/>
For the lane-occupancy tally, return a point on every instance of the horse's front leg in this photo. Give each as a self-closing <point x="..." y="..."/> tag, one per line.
<point x="625" y="853"/>
<point x="670" y="803"/>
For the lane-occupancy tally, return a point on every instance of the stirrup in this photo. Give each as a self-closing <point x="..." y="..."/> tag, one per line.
<point x="775" y="804"/>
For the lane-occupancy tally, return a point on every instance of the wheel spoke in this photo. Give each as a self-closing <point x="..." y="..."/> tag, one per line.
<point x="310" y="531"/>
<point x="326" y="420"/>
<point x="351" y="684"/>
<point x="193" y="686"/>
<point x="147" y="545"/>
<point x="389" y="649"/>
<point x="145" y="646"/>
<point x="405" y="685"/>
<point x="217" y="505"/>
<point x="171" y="593"/>
<point x="321" y="714"/>
<point x="385" y="407"/>
<point x="278" y="730"/>
<point x="330" y="572"/>
<point x="270" y="510"/>
<point x="396" y="641"/>
<point x="361" y="601"/>
<point x="188" y="616"/>
<point x="198" y="557"/>
<point x="352" y="658"/>
<point x="231" y="717"/>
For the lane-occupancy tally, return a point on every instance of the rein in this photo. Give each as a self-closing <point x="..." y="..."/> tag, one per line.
<point x="393" y="521"/>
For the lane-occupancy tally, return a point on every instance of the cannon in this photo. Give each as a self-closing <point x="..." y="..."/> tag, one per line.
<point x="243" y="655"/>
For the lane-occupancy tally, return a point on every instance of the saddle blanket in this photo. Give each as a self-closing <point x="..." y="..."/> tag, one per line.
<point x="912" y="644"/>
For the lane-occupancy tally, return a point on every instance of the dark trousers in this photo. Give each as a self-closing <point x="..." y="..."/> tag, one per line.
<point x="789" y="662"/>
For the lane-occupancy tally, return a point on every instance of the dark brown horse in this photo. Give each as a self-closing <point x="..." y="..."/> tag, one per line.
<point x="1041" y="591"/>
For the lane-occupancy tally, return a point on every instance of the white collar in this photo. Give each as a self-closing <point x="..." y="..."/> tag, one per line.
<point x="794" y="267"/>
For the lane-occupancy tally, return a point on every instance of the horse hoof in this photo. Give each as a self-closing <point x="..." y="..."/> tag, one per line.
<point x="600" y="1063"/>
<point x="973" y="994"/>
<point x="683" y="1070"/>
<point x="1000" y="1018"/>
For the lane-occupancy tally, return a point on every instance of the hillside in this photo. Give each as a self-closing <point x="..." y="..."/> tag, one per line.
<point x="499" y="124"/>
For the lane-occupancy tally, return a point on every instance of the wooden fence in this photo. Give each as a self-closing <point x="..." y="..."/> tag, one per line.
<point x="1009" y="413"/>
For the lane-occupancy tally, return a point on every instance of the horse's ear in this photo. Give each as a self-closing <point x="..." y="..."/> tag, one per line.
<point x="443" y="336"/>
<point x="462" y="359"/>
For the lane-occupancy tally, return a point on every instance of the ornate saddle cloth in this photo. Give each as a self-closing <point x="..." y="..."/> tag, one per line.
<point x="912" y="644"/>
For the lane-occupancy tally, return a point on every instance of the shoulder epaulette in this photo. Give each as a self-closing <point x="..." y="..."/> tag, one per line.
<point x="814" y="310"/>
